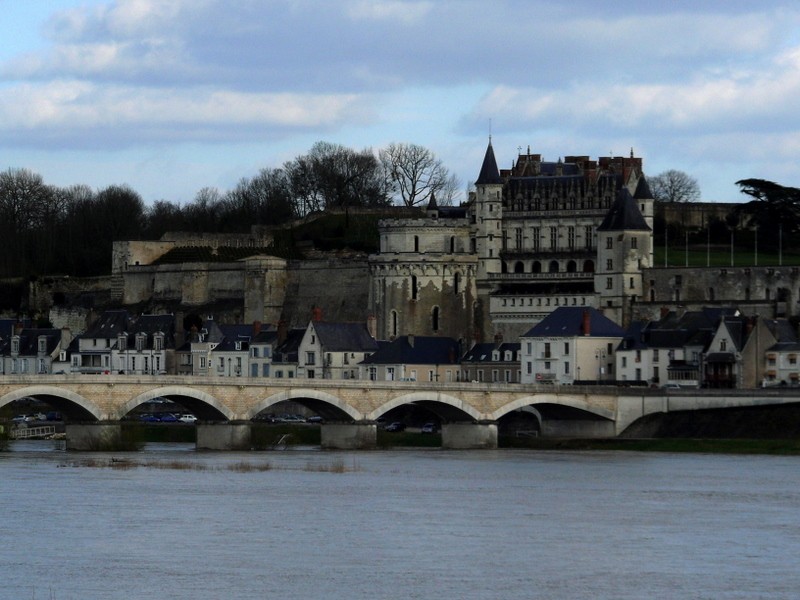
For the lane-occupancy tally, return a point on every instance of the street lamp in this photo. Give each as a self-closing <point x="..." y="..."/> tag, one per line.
<point x="600" y="355"/>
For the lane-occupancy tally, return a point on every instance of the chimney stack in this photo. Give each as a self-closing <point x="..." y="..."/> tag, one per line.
<point x="316" y="314"/>
<point x="372" y="326"/>
<point x="587" y="322"/>
<point x="283" y="332"/>
<point x="256" y="328"/>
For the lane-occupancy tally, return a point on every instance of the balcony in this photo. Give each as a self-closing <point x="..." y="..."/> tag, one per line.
<point x="577" y="276"/>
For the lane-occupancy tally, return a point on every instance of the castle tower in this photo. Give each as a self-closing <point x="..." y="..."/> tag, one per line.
<point x="624" y="248"/>
<point x="488" y="216"/>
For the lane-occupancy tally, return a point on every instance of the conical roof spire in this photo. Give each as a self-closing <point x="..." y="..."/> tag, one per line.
<point x="432" y="202"/>
<point x="489" y="171"/>
<point x="624" y="214"/>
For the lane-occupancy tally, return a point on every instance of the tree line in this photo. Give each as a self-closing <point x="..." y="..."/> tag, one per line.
<point x="70" y="230"/>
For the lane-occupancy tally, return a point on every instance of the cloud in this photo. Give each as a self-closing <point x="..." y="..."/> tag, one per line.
<point x="73" y="112"/>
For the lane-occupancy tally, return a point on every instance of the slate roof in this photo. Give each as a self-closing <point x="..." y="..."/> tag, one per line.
<point x="489" y="171"/>
<point x="265" y="337"/>
<point x="287" y="351"/>
<point x="109" y="325"/>
<point x="624" y="215"/>
<point x="426" y="350"/>
<point x="642" y="190"/>
<point x="567" y="321"/>
<point x="29" y="341"/>
<point x="150" y="324"/>
<point x="482" y="353"/>
<point x="344" y="337"/>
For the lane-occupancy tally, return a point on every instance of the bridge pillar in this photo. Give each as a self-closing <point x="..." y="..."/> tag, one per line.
<point x="223" y="436"/>
<point x="467" y="436"/>
<point x="94" y="436"/>
<point x="348" y="436"/>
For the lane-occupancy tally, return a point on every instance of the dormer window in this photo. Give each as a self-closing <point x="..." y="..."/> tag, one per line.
<point x="141" y="341"/>
<point x="158" y="341"/>
<point x="495" y="356"/>
<point x="237" y="345"/>
<point x="42" y="341"/>
<point x="122" y="342"/>
<point x="15" y="345"/>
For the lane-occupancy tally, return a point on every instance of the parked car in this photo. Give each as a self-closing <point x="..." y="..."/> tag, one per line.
<point x="395" y="427"/>
<point x="187" y="418"/>
<point x="430" y="428"/>
<point x="314" y="419"/>
<point x="149" y="418"/>
<point x="671" y="386"/>
<point x="169" y="418"/>
<point x="22" y="419"/>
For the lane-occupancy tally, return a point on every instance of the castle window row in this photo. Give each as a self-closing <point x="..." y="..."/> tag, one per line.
<point x="549" y="301"/>
<point x="554" y="236"/>
<point x="553" y="266"/>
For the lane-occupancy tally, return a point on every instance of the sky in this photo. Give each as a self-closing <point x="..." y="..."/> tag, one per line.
<point x="171" y="96"/>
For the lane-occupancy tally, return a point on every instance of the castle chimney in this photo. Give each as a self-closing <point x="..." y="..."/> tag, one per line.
<point x="316" y="314"/>
<point x="587" y="322"/>
<point x="372" y="326"/>
<point x="283" y="332"/>
<point x="664" y="311"/>
<point x="498" y="339"/>
<point x="256" y="328"/>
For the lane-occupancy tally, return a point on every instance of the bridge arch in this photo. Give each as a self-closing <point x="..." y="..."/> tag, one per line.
<point x="203" y="405"/>
<point x="73" y="405"/>
<point x="433" y="402"/>
<point x="561" y="400"/>
<point x="328" y="406"/>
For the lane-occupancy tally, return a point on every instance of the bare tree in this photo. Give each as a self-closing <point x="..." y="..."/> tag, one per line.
<point x="674" y="186"/>
<point x="333" y="176"/>
<point x="414" y="173"/>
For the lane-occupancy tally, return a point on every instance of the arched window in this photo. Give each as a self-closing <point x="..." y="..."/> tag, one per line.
<point x="456" y="283"/>
<point x="711" y="294"/>
<point x="652" y="295"/>
<point x="416" y="243"/>
<point x="537" y="267"/>
<point x="519" y="267"/>
<point x="413" y="287"/>
<point x="503" y="267"/>
<point x="435" y="318"/>
<point x="572" y="266"/>
<point x="452" y="244"/>
<point x="393" y="324"/>
<point x="588" y="266"/>
<point x="553" y="266"/>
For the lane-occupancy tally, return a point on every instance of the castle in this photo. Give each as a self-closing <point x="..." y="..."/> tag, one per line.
<point x="575" y="232"/>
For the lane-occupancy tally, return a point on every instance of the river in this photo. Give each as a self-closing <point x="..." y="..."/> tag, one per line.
<point x="481" y="524"/>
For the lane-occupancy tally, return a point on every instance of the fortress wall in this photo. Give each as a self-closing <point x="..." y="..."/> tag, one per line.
<point x="340" y="287"/>
<point x="131" y="253"/>
<point x="768" y="291"/>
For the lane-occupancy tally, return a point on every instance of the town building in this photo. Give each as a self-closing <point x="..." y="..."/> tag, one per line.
<point x="414" y="358"/>
<point x="33" y="351"/>
<point x="492" y="362"/>
<point x="333" y="350"/>
<point x="570" y="345"/>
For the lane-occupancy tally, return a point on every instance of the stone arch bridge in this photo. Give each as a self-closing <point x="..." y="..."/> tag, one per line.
<point x="94" y="405"/>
